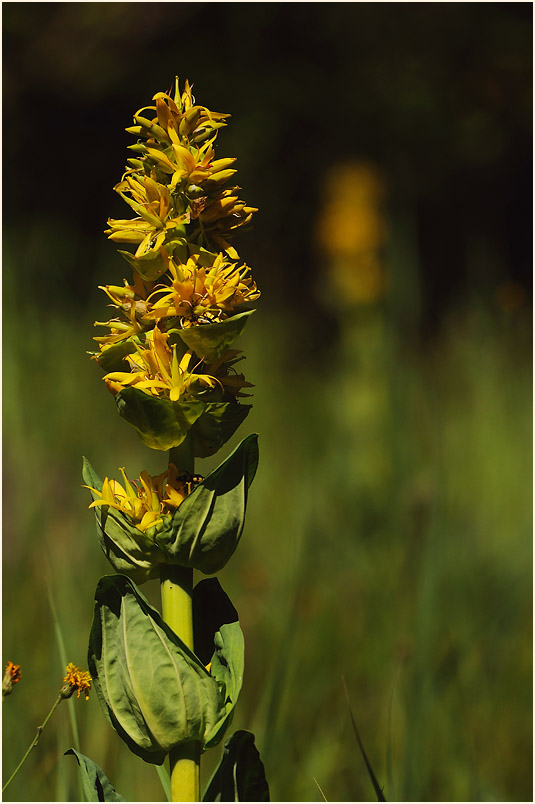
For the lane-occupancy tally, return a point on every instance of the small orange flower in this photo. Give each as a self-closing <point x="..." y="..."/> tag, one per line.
<point x="14" y="672"/>
<point x="12" y="675"/>
<point x="77" y="679"/>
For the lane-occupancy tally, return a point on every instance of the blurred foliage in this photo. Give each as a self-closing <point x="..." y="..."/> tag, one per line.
<point x="388" y="536"/>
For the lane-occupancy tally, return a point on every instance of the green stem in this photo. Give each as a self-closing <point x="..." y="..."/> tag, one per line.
<point x="34" y="742"/>
<point x="176" y="584"/>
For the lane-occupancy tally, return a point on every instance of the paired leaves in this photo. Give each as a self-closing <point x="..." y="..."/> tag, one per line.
<point x="162" y="424"/>
<point x="240" y="775"/>
<point x="211" y="341"/>
<point x="154" y="691"/>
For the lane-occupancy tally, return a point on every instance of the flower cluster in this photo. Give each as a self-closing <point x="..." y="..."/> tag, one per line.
<point x="186" y="273"/>
<point x="149" y="500"/>
<point x="157" y="370"/>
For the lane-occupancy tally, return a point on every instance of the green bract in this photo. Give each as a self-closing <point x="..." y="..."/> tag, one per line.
<point x="217" y="423"/>
<point x="211" y="341"/>
<point x="153" y="690"/>
<point x="162" y="424"/>
<point x="206" y="527"/>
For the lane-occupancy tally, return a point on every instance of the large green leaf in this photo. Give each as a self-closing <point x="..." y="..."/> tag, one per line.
<point x="128" y="550"/>
<point x="240" y="775"/>
<point x="161" y="424"/>
<point x="153" y="690"/>
<point x="207" y="526"/>
<point x="95" y="783"/>
<point x="219" y="639"/>
<point x="218" y="422"/>
<point x="211" y="341"/>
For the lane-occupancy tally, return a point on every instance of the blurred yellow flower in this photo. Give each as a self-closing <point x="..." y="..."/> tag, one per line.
<point x="352" y="231"/>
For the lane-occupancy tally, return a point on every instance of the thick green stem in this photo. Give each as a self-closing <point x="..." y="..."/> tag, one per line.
<point x="34" y="742"/>
<point x="177" y="611"/>
<point x="176" y="584"/>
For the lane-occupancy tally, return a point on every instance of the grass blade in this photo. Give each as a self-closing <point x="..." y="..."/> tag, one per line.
<point x="376" y="786"/>
<point x="319" y="788"/>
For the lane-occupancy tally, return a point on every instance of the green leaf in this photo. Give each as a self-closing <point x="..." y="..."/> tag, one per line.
<point x="128" y="550"/>
<point x="153" y="690"/>
<point x="207" y="526"/>
<point x="240" y="775"/>
<point x="218" y="422"/>
<point x="211" y="341"/>
<point x="95" y="783"/>
<point x="161" y="424"/>
<point x="219" y="639"/>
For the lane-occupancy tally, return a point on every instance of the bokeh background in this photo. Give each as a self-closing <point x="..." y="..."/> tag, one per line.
<point x="388" y="538"/>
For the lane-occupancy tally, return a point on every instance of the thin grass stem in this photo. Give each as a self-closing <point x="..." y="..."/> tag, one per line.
<point x="34" y="742"/>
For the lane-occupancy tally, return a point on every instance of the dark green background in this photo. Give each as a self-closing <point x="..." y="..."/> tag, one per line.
<point x="388" y="537"/>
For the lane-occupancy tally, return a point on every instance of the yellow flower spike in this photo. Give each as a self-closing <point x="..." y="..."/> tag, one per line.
<point x="78" y="680"/>
<point x="175" y="187"/>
